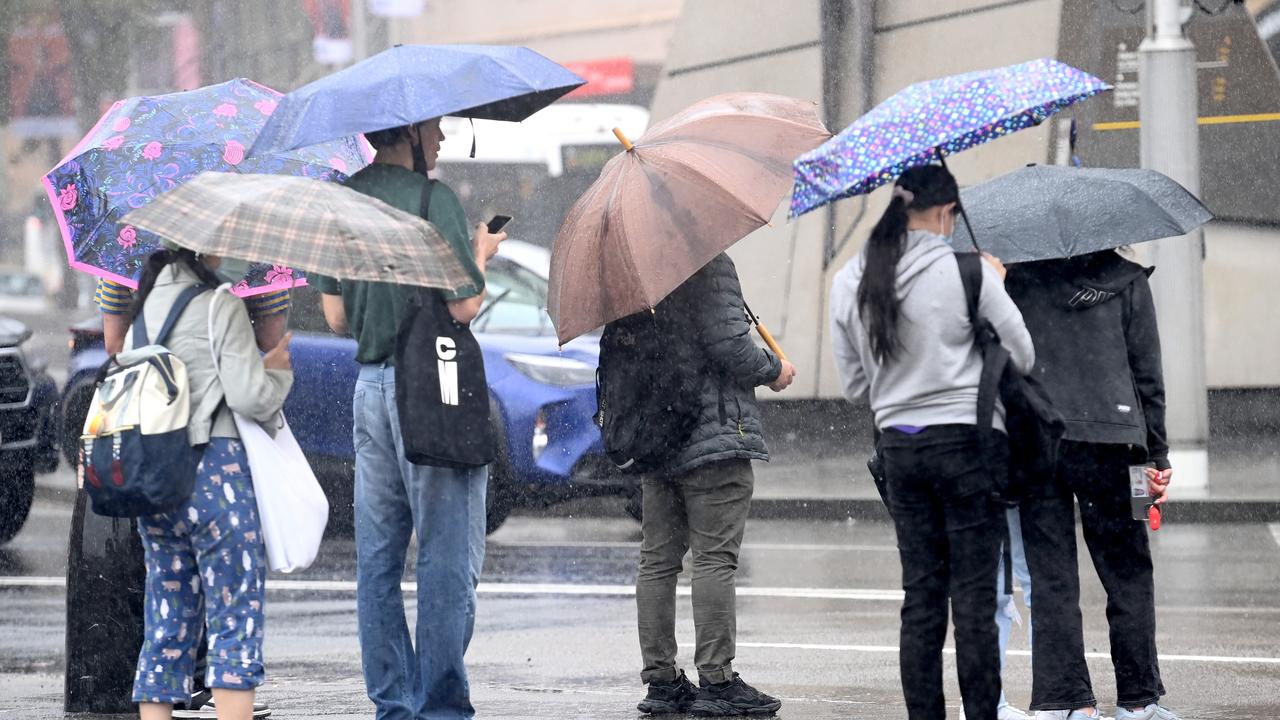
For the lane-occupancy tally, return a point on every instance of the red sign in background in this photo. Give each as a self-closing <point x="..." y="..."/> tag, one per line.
<point x="609" y="76"/>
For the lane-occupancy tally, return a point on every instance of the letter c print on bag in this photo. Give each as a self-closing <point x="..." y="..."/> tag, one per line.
<point x="446" y="354"/>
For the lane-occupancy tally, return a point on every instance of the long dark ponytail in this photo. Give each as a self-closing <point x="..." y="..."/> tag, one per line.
<point x="919" y="188"/>
<point x="156" y="263"/>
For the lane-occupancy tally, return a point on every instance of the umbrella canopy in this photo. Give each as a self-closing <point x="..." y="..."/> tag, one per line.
<point x="687" y="190"/>
<point x="411" y="83"/>
<point x="145" y="146"/>
<point x="927" y="121"/>
<point x="320" y="227"/>
<point x="1043" y="212"/>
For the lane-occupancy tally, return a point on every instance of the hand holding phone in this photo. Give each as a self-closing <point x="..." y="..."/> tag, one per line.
<point x="495" y="225"/>
<point x="486" y="241"/>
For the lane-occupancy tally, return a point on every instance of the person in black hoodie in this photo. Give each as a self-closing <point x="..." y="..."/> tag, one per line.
<point x="1093" y="322"/>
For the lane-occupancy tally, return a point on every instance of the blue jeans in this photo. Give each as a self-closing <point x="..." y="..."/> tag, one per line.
<point x="444" y="507"/>
<point x="1005" y="607"/>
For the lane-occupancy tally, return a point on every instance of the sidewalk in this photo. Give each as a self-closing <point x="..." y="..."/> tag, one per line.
<point x="819" y="469"/>
<point x="814" y="476"/>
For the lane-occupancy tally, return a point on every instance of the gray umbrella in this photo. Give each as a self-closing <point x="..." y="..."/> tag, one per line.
<point x="1042" y="212"/>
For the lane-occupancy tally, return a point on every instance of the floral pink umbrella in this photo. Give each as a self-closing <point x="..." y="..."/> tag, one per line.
<point x="143" y="147"/>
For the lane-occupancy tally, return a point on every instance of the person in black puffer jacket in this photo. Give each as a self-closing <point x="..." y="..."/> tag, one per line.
<point x="1093" y="322"/>
<point x="700" y="500"/>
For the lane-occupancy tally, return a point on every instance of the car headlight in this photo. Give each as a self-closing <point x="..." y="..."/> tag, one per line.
<point x="553" y="370"/>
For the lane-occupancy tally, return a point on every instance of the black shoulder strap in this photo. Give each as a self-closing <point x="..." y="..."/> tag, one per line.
<point x="424" y="207"/>
<point x="140" y="323"/>
<point x="994" y="360"/>
<point x="971" y="275"/>
<point x="994" y="356"/>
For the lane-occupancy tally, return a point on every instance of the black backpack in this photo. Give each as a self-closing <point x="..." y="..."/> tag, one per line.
<point x="1035" y="428"/>
<point x="648" y="388"/>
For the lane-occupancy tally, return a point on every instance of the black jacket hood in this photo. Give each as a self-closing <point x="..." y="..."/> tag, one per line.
<point x="1086" y="281"/>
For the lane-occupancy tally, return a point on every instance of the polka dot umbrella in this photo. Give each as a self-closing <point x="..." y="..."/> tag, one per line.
<point x="925" y="122"/>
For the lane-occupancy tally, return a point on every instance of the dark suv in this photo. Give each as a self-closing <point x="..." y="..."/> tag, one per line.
<point x="28" y="422"/>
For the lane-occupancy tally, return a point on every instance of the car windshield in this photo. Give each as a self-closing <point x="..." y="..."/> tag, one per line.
<point x="515" y="303"/>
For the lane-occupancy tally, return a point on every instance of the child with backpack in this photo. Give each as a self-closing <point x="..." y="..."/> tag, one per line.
<point x="206" y="558"/>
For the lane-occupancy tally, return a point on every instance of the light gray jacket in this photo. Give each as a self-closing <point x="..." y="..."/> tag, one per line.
<point x="250" y="389"/>
<point x="933" y="380"/>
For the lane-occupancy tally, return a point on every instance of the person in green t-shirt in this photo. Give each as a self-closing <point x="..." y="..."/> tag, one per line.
<point x="394" y="498"/>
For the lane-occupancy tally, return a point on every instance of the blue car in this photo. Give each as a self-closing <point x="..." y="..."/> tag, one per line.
<point x="543" y="397"/>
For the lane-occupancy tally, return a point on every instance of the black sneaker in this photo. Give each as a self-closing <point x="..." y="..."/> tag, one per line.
<point x="732" y="698"/>
<point x="202" y="707"/>
<point x="669" y="698"/>
<point x="199" y="707"/>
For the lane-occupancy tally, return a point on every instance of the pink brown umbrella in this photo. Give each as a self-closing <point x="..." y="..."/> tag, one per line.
<point x="685" y="192"/>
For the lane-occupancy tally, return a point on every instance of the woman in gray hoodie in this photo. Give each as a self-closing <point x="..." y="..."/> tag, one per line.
<point x="903" y="337"/>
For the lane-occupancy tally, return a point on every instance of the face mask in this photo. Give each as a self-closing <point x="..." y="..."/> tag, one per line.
<point x="232" y="270"/>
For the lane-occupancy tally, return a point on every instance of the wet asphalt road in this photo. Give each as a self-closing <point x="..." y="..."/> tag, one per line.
<point x="817" y="617"/>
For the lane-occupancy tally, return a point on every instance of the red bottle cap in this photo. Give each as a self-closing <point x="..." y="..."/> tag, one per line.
<point x="1153" y="517"/>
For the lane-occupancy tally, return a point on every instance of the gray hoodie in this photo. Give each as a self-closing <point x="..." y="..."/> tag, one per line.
<point x="934" y="378"/>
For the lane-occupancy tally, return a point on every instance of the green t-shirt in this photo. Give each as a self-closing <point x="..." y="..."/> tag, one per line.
<point x="374" y="309"/>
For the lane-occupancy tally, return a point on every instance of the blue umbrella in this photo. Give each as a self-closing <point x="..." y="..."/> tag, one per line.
<point x="412" y="83"/>
<point x="927" y="121"/>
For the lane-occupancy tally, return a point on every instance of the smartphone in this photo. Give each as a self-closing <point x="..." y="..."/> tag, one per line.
<point x="1140" y="499"/>
<point x="497" y="223"/>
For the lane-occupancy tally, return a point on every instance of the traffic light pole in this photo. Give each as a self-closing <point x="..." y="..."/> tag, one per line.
<point x="1170" y="143"/>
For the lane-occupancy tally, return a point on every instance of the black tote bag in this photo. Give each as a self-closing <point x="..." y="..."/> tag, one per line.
<point x="442" y="394"/>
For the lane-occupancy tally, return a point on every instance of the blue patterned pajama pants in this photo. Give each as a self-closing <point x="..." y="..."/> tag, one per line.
<point x="206" y="563"/>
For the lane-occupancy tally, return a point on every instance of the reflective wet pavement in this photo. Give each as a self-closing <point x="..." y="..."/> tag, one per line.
<point x="818" y="622"/>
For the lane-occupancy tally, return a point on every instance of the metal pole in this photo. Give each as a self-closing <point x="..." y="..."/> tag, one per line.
<point x="1171" y="144"/>
<point x="359" y="31"/>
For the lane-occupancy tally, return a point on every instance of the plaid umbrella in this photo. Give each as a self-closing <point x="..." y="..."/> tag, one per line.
<point x="317" y="226"/>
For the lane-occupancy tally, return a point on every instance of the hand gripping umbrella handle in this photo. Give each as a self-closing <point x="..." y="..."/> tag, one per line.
<point x="768" y="340"/>
<point x="764" y="333"/>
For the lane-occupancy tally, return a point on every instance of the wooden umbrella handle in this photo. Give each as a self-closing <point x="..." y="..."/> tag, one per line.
<point x="622" y="138"/>
<point x="768" y="340"/>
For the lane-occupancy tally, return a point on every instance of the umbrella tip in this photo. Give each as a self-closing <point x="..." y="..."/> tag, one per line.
<point x="622" y="138"/>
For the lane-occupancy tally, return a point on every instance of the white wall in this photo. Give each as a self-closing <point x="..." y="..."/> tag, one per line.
<point x="781" y="267"/>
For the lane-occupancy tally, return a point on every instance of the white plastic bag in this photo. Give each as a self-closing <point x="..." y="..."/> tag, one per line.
<point x="292" y="507"/>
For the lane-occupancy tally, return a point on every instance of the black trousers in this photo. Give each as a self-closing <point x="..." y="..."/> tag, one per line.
<point x="949" y="531"/>
<point x="1098" y="476"/>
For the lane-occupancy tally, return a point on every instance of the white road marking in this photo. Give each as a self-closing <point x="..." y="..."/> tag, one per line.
<point x="563" y="589"/>
<point x="531" y="589"/>
<point x="1021" y="653"/>
<point x="635" y="545"/>
<point x="1275" y="532"/>
<point x="33" y="582"/>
